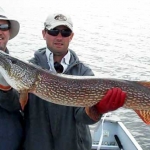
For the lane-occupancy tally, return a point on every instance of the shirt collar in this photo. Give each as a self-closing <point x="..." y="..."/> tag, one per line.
<point x="66" y="58"/>
<point x="48" y="53"/>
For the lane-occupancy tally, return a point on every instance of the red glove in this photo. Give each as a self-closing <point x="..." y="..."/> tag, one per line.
<point x="113" y="100"/>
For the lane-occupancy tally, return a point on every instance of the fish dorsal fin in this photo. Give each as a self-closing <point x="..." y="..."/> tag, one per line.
<point x="146" y="84"/>
<point x="144" y="115"/>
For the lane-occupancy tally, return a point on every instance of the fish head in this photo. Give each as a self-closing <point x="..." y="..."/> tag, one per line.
<point x="19" y="74"/>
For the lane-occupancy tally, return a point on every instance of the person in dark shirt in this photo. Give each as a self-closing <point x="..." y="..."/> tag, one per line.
<point x="49" y="126"/>
<point x="11" y="120"/>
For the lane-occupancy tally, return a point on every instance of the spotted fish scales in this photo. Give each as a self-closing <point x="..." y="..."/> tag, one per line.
<point x="70" y="90"/>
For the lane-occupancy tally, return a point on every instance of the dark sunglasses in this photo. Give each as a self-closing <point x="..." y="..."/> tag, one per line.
<point x="55" y="32"/>
<point x="4" y="27"/>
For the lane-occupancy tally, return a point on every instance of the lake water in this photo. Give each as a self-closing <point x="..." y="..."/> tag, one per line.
<point x="111" y="36"/>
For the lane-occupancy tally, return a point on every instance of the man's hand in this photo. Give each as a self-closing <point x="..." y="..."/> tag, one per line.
<point x="4" y="86"/>
<point x="114" y="99"/>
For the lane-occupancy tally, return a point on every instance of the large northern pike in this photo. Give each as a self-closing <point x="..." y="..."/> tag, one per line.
<point x="72" y="90"/>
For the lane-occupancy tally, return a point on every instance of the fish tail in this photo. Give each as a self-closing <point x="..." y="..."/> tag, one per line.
<point x="144" y="115"/>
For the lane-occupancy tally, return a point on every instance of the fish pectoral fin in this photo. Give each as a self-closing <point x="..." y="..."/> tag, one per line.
<point x="23" y="99"/>
<point x="144" y="115"/>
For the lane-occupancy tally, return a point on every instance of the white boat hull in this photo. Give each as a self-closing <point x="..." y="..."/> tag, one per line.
<point x="112" y="126"/>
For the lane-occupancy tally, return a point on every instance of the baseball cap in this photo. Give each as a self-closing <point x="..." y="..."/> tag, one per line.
<point x="57" y="19"/>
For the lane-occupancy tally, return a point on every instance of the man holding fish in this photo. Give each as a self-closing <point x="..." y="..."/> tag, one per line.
<point x="11" y="119"/>
<point x="49" y="126"/>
